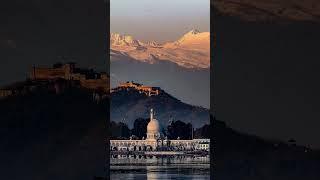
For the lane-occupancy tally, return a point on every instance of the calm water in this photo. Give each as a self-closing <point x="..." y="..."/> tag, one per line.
<point x="153" y="168"/>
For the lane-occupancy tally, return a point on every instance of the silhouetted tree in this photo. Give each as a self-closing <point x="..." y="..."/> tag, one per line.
<point x="179" y="129"/>
<point x="119" y="130"/>
<point x="140" y="127"/>
<point x="203" y="132"/>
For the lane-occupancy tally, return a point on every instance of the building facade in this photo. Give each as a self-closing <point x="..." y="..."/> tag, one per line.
<point x="156" y="142"/>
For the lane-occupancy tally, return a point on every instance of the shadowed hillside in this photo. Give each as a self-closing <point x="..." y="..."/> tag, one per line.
<point x="52" y="136"/>
<point x="128" y="105"/>
<point x="264" y="85"/>
<point x="269" y="10"/>
<point x="244" y="157"/>
<point x="265" y="78"/>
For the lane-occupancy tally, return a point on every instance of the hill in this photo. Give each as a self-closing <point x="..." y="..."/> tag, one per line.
<point x="178" y="81"/>
<point x="245" y="157"/>
<point x="128" y="104"/>
<point x="269" y="10"/>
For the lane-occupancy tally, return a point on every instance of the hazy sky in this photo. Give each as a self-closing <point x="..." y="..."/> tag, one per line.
<point x="163" y="20"/>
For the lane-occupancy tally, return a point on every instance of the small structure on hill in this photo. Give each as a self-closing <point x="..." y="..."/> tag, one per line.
<point x="88" y="78"/>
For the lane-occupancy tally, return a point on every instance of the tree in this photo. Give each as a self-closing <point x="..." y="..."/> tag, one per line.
<point x="179" y="129"/>
<point x="140" y="127"/>
<point x="203" y="132"/>
<point x="119" y="130"/>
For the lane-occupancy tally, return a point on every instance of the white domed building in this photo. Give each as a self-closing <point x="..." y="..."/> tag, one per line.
<point x="153" y="128"/>
<point x="154" y="140"/>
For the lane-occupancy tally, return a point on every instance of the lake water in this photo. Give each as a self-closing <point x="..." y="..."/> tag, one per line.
<point x="153" y="168"/>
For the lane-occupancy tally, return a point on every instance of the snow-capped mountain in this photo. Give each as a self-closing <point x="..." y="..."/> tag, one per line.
<point x="192" y="50"/>
<point x="122" y="41"/>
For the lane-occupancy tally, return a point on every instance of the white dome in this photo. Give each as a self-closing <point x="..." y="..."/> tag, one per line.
<point x="153" y="126"/>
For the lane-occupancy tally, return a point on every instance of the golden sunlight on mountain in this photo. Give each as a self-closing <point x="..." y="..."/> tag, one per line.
<point x="192" y="50"/>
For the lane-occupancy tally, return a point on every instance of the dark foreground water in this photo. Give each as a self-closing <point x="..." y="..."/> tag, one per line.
<point x="153" y="168"/>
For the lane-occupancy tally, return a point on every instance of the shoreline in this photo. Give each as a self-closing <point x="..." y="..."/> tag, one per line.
<point x="159" y="153"/>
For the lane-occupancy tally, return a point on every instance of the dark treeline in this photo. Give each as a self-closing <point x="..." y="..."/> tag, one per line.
<point x="176" y="130"/>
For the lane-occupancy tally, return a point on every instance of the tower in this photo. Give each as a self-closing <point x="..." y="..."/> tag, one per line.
<point x="151" y="114"/>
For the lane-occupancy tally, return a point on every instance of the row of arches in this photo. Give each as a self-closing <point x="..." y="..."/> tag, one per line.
<point x="131" y="148"/>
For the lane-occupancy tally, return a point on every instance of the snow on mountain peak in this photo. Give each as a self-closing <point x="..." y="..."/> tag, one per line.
<point x="192" y="50"/>
<point x="195" y="34"/>
<point x="194" y="31"/>
<point x="124" y="40"/>
<point x="193" y="39"/>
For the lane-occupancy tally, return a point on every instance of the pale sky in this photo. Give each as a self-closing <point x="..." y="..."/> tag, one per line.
<point x="160" y="20"/>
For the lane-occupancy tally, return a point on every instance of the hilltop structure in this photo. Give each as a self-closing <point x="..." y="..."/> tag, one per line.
<point x="147" y="90"/>
<point x="86" y="78"/>
<point x="155" y="141"/>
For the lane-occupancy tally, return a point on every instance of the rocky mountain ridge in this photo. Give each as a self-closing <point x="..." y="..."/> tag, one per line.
<point x="192" y="50"/>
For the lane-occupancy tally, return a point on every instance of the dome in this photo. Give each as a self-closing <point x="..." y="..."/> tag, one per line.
<point x="153" y="126"/>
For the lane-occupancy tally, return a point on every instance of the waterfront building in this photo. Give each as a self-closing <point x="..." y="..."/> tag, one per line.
<point x="155" y="141"/>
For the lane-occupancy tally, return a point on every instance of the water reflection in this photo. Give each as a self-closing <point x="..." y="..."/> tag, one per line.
<point x="140" y="167"/>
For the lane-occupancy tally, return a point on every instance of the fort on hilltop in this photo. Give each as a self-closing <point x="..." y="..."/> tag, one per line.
<point x="86" y="78"/>
<point x="147" y="90"/>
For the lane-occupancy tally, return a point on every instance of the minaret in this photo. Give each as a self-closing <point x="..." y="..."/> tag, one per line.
<point x="151" y="114"/>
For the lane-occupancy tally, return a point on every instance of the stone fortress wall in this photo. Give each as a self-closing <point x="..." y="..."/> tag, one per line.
<point x="87" y="78"/>
<point x="148" y="90"/>
<point x="48" y="73"/>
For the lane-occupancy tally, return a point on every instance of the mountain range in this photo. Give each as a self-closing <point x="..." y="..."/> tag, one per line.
<point x="179" y="67"/>
<point x="192" y="50"/>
